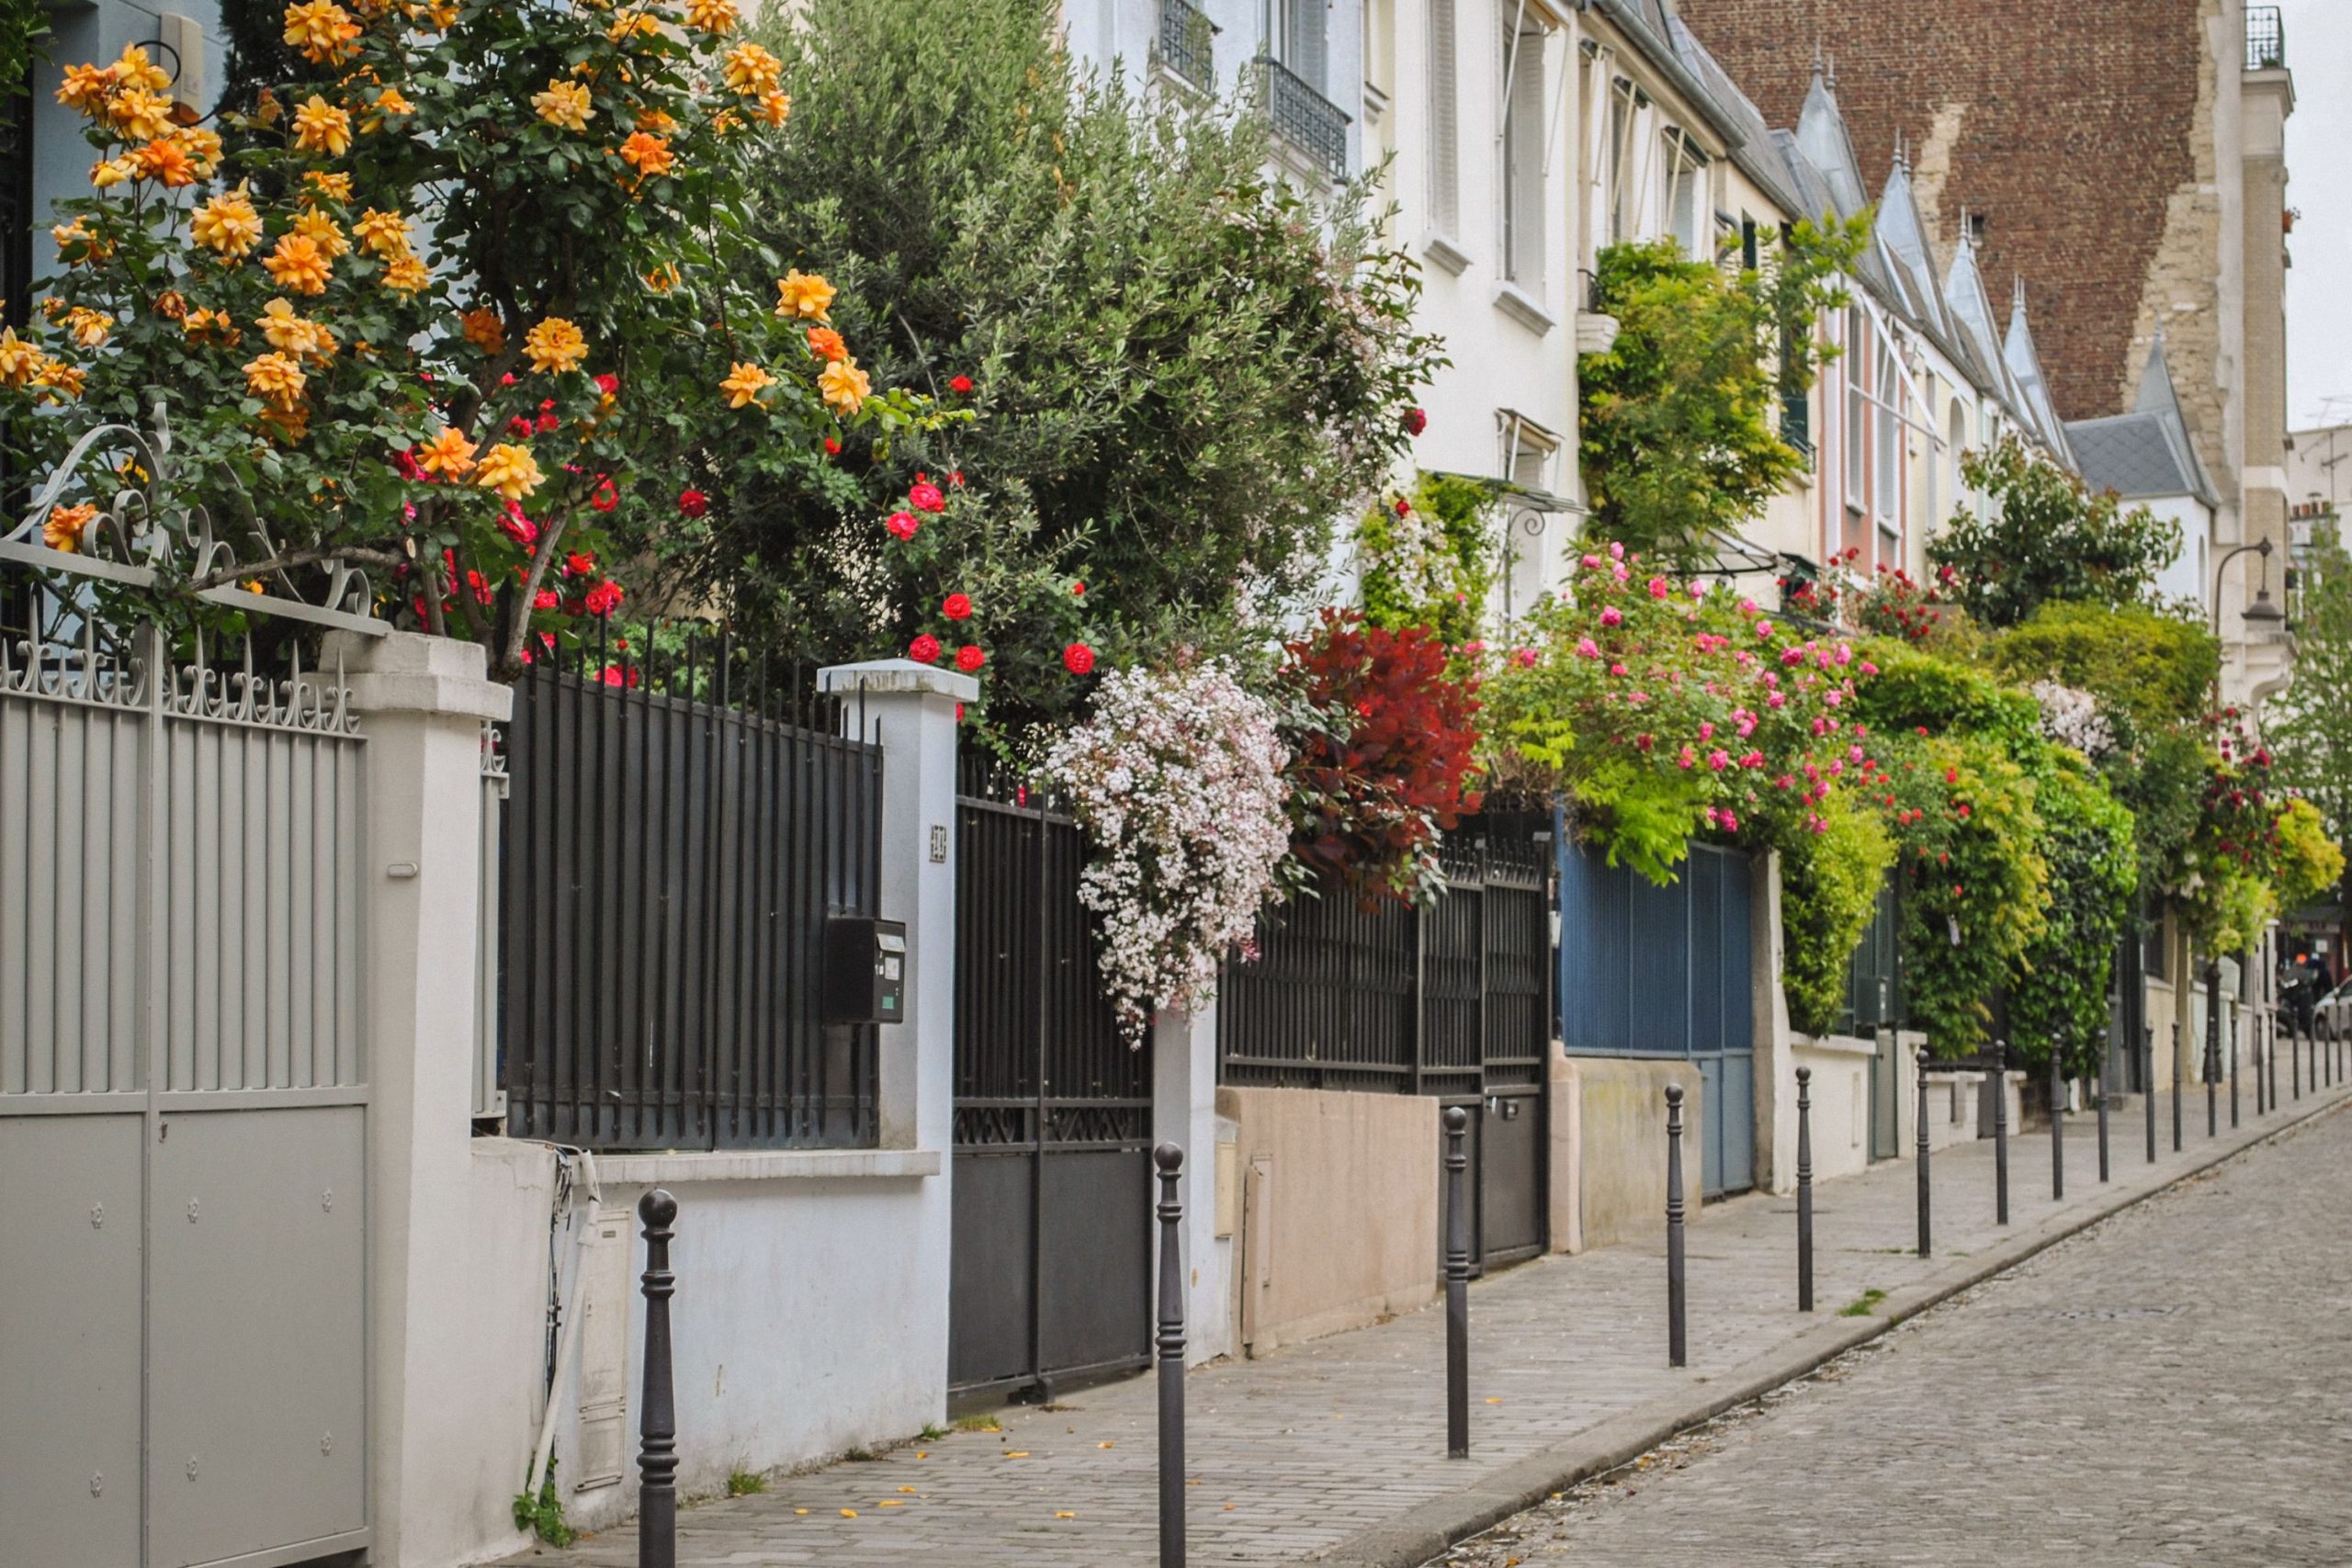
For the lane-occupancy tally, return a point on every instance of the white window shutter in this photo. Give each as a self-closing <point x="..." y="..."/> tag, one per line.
<point x="1445" y="137"/>
<point x="1523" y="154"/>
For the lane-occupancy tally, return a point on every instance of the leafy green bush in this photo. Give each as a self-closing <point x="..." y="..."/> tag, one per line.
<point x="1829" y="886"/>
<point x="1429" y="558"/>
<point x="2045" y="536"/>
<point x="2146" y="667"/>
<point x="1185" y="370"/>
<point x="1974" y="879"/>
<point x="2058" y="994"/>
<point x="1679" y="440"/>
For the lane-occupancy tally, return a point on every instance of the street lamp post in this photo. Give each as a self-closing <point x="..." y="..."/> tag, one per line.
<point x="2263" y="612"/>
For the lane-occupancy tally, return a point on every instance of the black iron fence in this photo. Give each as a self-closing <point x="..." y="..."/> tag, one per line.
<point x="1304" y="117"/>
<point x="2266" y="38"/>
<point x="681" y="822"/>
<point x="1187" y="44"/>
<point x="1451" y="1000"/>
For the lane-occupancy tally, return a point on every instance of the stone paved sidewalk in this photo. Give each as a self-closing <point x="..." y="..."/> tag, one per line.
<point x="1321" y="1449"/>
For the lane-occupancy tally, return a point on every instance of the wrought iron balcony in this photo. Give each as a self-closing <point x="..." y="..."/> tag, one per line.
<point x="1304" y="118"/>
<point x="2266" y="38"/>
<point x="1187" y="43"/>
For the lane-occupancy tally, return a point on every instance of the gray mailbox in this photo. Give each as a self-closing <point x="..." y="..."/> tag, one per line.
<point x="866" y="970"/>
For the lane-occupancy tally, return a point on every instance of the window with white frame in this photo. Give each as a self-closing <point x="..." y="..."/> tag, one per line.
<point x="1622" y="116"/>
<point x="1522" y="98"/>
<point x="1858" y="411"/>
<point x="1958" y="425"/>
<point x="1886" y="456"/>
<point x="1302" y="39"/>
<point x="1445" y="142"/>
<point x="1686" y="194"/>
<point x="1528" y="454"/>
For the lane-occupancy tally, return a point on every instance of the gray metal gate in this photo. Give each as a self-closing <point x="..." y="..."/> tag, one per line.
<point x="183" y="1076"/>
<point x="1651" y="971"/>
<point x="1050" y="1261"/>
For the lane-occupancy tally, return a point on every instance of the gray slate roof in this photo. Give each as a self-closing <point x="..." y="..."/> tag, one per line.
<point x="2144" y="455"/>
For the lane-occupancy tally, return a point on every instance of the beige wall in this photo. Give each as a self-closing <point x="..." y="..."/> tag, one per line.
<point x="1339" y="1221"/>
<point x="1619" y="1143"/>
<point x="1841" y="1104"/>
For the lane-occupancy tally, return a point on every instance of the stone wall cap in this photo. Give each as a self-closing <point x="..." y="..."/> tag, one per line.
<point x="883" y="675"/>
<point x="411" y="671"/>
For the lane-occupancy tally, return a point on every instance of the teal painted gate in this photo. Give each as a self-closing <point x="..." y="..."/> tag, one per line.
<point x="1651" y="971"/>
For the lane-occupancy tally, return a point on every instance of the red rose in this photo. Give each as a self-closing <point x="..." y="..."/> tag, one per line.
<point x="1079" y="589"/>
<point x="902" y="524"/>
<point x="692" y="502"/>
<point x="603" y="599"/>
<point x="959" y="384"/>
<point x="609" y="384"/>
<point x="925" y="650"/>
<point x="520" y="427"/>
<point x="968" y="659"/>
<point x="604" y="497"/>
<point x="549" y="424"/>
<point x="1415" y="421"/>
<point x="957" y="608"/>
<point x="1078" y="659"/>
<point x="955" y="478"/>
<point x="519" y="528"/>
<point x="545" y="599"/>
<point x="579" y="563"/>
<point x="1404" y="507"/>
<point x="924" y="496"/>
<point x="832" y="447"/>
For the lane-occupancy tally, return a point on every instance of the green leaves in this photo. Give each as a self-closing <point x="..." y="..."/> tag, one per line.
<point x="1182" y="373"/>
<point x="2045" y="537"/>
<point x="1678" y="429"/>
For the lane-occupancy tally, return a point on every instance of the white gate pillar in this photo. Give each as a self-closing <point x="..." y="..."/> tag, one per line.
<point x="423" y="701"/>
<point x="911" y="710"/>
<point x="1184" y="1113"/>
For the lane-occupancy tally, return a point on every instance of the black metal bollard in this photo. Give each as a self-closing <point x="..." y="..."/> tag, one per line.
<point x="2105" y="1062"/>
<point x="1804" y="1190"/>
<point x="1170" y="1345"/>
<point x="2212" y="1049"/>
<point x="1675" y="1344"/>
<point x="1926" y="1242"/>
<point x="2270" y="1054"/>
<point x="2148" y="1083"/>
<point x="2057" y="1126"/>
<point x="2295" y="1056"/>
<point x="2234" y="1085"/>
<point x="1457" y="1286"/>
<point x="2000" y="1131"/>
<point x="2176" y="1086"/>
<point x="657" y="1459"/>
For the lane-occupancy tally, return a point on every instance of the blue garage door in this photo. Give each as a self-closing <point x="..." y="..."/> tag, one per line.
<point x="1651" y="971"/>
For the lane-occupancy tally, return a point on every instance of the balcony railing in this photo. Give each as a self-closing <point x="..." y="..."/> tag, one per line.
<point x="1187" y="45"/>
<point x="1304" y="118"/>
<point x="2266" y="38"/>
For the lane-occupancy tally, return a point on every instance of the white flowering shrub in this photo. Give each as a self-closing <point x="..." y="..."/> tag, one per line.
<point x="2071" y="717"/>
<point x="1177" y="779"/>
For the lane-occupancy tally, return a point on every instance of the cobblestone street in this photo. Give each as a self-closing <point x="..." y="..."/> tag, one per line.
<point x="1335" y="1448"/>
<point x="2169" y="1387"/>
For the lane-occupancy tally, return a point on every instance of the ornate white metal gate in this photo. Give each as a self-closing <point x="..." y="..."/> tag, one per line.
<point x="183" y="1089"/>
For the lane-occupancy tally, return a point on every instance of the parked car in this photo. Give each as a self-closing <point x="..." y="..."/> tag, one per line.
<point x="2332" y="1014"/>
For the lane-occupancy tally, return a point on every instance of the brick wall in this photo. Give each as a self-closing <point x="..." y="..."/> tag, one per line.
<point x="2082" y="132"/>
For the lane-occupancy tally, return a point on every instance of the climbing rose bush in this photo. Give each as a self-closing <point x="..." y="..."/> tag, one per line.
<point x="464" y="301"/>
<point x="1666" y="710"/>
<point x="1177" y="780"/>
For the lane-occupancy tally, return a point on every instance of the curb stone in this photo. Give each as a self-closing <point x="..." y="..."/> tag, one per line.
<point x="1428" y="1530"/>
